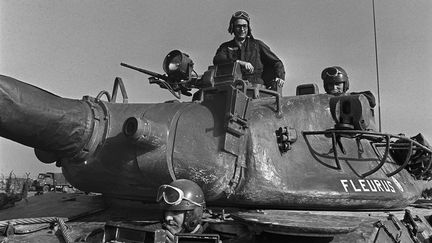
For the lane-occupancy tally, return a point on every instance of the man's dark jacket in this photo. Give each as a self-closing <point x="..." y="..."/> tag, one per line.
<point x="267" y="65"/>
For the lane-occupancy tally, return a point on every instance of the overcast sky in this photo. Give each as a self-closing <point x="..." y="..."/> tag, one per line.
<point x="74" y="48"/>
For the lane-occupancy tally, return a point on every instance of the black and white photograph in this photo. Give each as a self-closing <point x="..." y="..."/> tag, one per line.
<point x="163" y="121"/>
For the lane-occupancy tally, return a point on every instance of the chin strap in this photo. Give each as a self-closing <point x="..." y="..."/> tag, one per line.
<point x="197" y="228"/>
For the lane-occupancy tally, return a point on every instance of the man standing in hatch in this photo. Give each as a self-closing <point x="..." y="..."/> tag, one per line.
<point x="258" y="63"/>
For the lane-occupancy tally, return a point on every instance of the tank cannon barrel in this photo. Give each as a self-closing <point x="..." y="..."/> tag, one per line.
<point x="42" y="120"/>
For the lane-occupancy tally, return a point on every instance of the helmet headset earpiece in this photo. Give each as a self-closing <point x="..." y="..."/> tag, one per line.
<point x="192" y="218"/>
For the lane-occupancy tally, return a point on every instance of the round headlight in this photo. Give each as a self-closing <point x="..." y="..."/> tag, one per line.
<point x="177" y="65"/>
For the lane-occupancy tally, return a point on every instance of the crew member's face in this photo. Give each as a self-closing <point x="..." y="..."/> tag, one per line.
<point x="335" y="88"/>
<point x="241" y="29"/>
<point x="174" y="219"/>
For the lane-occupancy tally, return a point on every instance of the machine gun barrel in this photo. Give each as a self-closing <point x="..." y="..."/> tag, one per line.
<point x="142" y="70"/>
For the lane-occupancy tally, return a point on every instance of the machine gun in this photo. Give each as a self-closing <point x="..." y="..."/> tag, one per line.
<point x="179" y="78"/>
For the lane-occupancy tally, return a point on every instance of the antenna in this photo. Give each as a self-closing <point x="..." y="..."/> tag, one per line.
<point x="376" y="64"/>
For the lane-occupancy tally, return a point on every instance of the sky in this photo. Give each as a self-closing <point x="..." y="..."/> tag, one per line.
<point x="74" y="48"/>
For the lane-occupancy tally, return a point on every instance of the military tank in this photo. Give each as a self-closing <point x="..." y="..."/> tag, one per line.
<point x="310" y="165"/>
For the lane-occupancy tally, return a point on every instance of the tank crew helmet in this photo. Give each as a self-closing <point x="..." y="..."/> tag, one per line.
<point x="183" y="195"/>
<point x="240" y="15"/>
<point x="334" y="75"/>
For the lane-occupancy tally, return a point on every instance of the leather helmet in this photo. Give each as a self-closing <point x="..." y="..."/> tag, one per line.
<point x="334" y="75"/>
<point x="239" y="15"/>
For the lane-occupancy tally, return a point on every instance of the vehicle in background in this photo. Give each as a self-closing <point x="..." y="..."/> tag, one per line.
<point x="51" y="181"/>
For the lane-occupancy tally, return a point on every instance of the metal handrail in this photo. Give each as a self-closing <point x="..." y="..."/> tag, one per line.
<point x="383" y="160"/>
<point x="377" y="140"/>
<point x="405" y="163"/>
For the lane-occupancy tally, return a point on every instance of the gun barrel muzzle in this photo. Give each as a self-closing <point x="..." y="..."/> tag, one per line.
<point x="37" y="118"/>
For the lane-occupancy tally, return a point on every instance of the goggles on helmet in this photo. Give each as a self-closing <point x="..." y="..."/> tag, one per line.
<point x="172" y="195"/>
<point x="333" y="72"/>
<point x="241" y="14"/>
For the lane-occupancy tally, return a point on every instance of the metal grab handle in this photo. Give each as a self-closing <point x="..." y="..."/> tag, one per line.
<point x="278" y="99"/>
<point x="241" y="83"/>
<point x="335" y="150"/>
<point x="103" y="92"/>
<point x="118" y="82"/>
<point x="383" y="160"/>
<point x="407" y="159"/>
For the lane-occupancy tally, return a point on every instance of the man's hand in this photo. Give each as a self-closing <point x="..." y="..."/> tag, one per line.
<point x="280" y="82"/>
<point x="169" y="234"/>
<point x="246" y="65"/>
